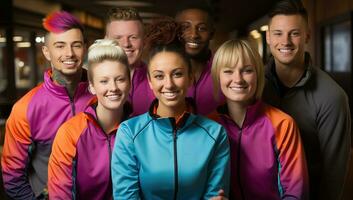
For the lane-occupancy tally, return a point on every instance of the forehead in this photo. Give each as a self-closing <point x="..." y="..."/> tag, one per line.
<point x="193" y="16"/>
<point x="124" y="27"/>
<point x="280" y="22"/>
<point x="72" y="35"/>
<point x="108" y="68"/>
<point x="165" y="61"/>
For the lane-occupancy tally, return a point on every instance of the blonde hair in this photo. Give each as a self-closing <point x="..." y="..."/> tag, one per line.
<point x="106" y="49"/>
<point x="229" y="54"/>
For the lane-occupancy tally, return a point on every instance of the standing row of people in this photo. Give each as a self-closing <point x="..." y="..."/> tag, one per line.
<point x="171" y="151"/>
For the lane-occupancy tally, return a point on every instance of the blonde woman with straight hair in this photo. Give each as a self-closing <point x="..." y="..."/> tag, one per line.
<point x="267" y="157"/>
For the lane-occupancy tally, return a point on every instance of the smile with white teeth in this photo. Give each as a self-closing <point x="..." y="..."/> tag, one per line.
<point x="128" y="52"/>
<point x="170" y="95"/>
<point x="69" y="62"/>
<point x="193" y="44"/>
<point x="285" y="50"/>
<point x="114" y="97"/>
<point x="238" y="88"/>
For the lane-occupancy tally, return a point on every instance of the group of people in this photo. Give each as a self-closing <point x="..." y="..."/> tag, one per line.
<point x="185" y="124"/>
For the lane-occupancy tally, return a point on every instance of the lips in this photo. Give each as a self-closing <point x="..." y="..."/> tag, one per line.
<point x="286" y="50"/>
<point x="69" y="62"/>
<point x="114" y="97"/>
<point x="193" y="45"/>
<point x="170" y="95"/>
<point x="238" y="88"/>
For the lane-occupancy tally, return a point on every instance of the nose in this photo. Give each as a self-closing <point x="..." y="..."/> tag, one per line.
<point x="69" y="51"/>
<point x="124" y="42"/>
<point x="238" y="77"/>
<point x="113" y="86"/>
<point x="169" y="83"/>
<point x="286" y="39"/>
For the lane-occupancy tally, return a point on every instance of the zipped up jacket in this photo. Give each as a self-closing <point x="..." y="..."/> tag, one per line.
<point x="267" y="157"/>
<point x="79" y="165"/>
<point x="30" y="131"/>
<point x="321" y="109"/>
<point x="157" y="158"/>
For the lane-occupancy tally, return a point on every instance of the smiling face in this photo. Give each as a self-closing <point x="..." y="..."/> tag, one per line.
<point x="239" y="82"/>
<point x="286" y="37"/>
<point x="65" y="51"/>
<point x="111" y="84"/>
<point x="197" y="31"/>
<point x="129" y="35"/>
<point x="169" y="79"/>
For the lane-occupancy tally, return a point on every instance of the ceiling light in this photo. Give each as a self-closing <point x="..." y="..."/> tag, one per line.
<point x="23" y="44"/>
<point x="264" y="28"/>
<point x="17" y="38"/>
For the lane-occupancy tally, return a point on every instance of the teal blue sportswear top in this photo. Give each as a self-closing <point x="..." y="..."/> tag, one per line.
<point x="157" y="158"/>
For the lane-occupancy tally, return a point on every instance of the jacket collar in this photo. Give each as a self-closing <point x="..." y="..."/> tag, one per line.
<point x="253" y="112"/>
<point x="59" y="90"/>
<point x="179" y="123"/>
<point x="91" y="113"/>
<point x="270" y="71"/>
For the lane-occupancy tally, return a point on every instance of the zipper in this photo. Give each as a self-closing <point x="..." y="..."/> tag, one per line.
<point x="71" y="103"/>
<point x="175" y="163"/>
<point x="238" y="168"/>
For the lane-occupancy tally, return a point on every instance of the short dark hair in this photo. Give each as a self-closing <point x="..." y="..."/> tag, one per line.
<point x="289" y="7"/>
<point x="198" y="6"/>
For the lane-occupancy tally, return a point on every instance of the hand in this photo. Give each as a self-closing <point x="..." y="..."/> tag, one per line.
<point x="221" y="196"/>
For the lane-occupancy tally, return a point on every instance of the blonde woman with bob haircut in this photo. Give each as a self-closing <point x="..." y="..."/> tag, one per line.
<point x="267" y="157"/>
<point x="79" y="166"/>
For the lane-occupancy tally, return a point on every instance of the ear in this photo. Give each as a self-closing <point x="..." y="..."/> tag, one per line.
<point x="268" y="37"/>
<point x="307" y="36"/>
<point x="149" y="82"/>
<point x="46" y="52"/>
<point x="91" y="89"/>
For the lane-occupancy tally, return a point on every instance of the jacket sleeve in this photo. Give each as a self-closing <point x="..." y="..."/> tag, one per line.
<point x="61" y="161"/>
<point x="334" y="133"/>
<point x="124" y="166"/>
<point x="292" y="173"/>
<point x="15" y="155"/>
<point x="219" y="167"/>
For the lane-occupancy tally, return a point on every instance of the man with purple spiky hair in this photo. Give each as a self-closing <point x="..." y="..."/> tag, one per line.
<point x="35" y="118"/>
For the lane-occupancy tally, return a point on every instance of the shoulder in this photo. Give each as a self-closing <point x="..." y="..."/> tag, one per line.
<point x="326" y="90"/>
<point x="211" y="127"/>
<point x="135" y="125"/>
<point x="70" y="131"/>
<point x="278" y="118"/>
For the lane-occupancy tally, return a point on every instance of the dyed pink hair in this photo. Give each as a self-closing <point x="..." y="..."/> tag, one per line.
<point x="61" y="21"/>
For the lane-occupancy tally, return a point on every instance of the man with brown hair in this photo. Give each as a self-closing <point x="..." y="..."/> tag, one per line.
<point x="317" y="103"/>
<point x="126" y="27"/>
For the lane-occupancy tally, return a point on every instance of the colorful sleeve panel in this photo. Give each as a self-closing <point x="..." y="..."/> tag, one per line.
<point x="61" y="161"/>
<point x="293" y="175"/>
<point x="15" y="155"/>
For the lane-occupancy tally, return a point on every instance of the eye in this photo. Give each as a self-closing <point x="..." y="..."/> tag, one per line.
<point x="248" y="70"/>
<point x="185" y="26"/>
<point x="295" y="33"/>
<point x="134" y="37"/>
<point x="202" y="28"/>
<point x="78" y="45"/>
<point x="103" y="82"/>
<point x="158" y="76"/>
<point x="227" y="71"/>
<point x="177" y="74"/>
<point x="121" y="80"/>
<point x="59" y="46"/>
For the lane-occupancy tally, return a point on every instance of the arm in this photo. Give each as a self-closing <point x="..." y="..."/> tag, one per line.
<point x="334" y="133"/>
<point x="60" y="167"/>
<point x="124" y="166"/>
<point x="293" y="172"/>
<point x="219" y="169"/>
<point x="15" y="155"/>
